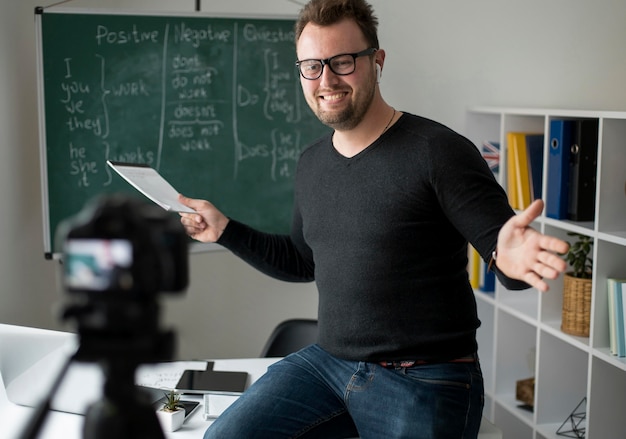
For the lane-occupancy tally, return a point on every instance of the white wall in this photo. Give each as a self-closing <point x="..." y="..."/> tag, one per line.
<point x="442" y="57"/>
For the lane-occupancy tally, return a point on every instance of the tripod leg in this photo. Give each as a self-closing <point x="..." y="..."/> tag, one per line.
<point x="108" y="419"/>
<point x="38" y="418"/>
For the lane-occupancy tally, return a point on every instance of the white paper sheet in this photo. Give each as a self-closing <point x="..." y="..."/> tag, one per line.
<point x="165" y="375"/>
<point x="150" y="183"/>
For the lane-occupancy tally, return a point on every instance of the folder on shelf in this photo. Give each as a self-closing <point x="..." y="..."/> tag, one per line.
<point x="487" y="283"/>
<point x="558" y="168"/>
<point x="481" y="278"/>
<point x="617" y="340"/>
<point x="582" y="171"/>
<point x="621" y="283"/>
<point x="534" y="152"/>
<point x="612" y="320"/>
<point x="520" y="178"/>
<point x="511" y="172"/>
<point x="473" y="266"/>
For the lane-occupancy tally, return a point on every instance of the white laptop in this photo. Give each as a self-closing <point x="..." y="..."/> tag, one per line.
<point x="32" y="359"/>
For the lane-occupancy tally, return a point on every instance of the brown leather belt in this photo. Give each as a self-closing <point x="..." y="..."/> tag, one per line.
<point x="411" y="363"/>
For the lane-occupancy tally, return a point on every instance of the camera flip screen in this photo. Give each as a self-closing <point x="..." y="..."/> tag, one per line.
<point x="97" y="264"/>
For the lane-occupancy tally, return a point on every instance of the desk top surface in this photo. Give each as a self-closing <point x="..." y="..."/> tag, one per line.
<point x="31" y="359"/>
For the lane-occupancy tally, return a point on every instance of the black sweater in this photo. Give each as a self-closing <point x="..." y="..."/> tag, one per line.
<point x="384" y="235"/>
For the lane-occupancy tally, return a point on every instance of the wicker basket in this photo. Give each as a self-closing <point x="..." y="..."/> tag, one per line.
<point x="576" y="306"/>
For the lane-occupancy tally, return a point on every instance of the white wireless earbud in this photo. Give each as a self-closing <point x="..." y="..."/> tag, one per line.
<point x="379" y="72"/>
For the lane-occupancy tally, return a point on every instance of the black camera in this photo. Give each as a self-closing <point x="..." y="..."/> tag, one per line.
<point x="118" y="253"/>
<point x="120" y="246"/>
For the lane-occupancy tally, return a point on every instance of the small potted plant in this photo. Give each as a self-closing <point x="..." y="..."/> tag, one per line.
<point x="172" y="414"/>
<point x="577" y="287"/>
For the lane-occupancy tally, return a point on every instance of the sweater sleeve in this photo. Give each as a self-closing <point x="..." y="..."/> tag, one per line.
<point x="272" y="254"/>
<point x="473" y="200"/>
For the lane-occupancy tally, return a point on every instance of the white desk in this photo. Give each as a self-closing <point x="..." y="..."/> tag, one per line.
<point x="68" y="425"/>
<point x="24" y="348"/>
<point x="30" y="360"/>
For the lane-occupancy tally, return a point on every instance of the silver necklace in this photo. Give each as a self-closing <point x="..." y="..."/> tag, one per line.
<point x="390" y="120"/>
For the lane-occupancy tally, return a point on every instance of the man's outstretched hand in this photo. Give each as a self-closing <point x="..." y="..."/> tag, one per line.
<point x="527" y="255"/>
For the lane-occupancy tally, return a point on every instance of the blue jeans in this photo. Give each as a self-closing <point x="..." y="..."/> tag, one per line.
<point x="312" y="394"/>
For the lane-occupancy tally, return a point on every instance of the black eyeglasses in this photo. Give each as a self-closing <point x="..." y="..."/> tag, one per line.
<point x="342" y="64"/>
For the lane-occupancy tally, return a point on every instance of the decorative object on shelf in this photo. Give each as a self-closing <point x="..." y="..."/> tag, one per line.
<point x="491" y="153"/>
<point x="576" y="421"/>
<point x="577" y="283"/>
<point x="525" y="392"/>
<point x="172" y="414"/>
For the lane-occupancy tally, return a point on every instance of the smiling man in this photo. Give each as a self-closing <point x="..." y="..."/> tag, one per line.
<point x="384" y="209"/>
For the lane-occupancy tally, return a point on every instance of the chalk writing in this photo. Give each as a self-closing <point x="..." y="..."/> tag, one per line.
<point x="213" y="104"/>
<point x="133" y="88"/>
<point x="194" y="110"/>
<point x="252" y="32"/>
<point x="131" y="36"/>
<point x="81" y="166"/>
<point x="196" y="36"/>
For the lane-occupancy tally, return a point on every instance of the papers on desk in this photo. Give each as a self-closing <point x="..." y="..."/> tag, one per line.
<point x="165" y="375"/>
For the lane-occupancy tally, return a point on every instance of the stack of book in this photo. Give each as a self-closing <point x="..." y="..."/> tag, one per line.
<point x="617" y="310"/>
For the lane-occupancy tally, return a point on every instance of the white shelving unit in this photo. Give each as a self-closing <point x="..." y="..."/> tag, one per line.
<point x="520" y="336"/>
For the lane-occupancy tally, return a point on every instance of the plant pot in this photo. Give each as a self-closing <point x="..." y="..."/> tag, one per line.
<point x="576" y="313"/>
<point x="171" y="421"/>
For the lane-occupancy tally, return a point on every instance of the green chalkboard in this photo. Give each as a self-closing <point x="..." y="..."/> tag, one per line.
<point x="213" y="103"/>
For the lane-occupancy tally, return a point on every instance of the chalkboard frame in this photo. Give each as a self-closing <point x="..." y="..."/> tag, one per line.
<point x="50" y="251"/>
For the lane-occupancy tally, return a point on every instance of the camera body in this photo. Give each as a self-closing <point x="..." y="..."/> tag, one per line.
<point x="119" y="247"/>
<point x="118" y="254"/>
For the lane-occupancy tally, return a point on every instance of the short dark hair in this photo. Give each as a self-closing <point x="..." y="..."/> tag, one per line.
<point x="327" y="12"/>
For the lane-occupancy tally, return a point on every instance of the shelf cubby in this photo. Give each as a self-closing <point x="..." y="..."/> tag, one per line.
<point x="561" y="381"/>
<point x="516" y="428"/>
<point x="607" y="400"/>
<point x="515" y="353"/>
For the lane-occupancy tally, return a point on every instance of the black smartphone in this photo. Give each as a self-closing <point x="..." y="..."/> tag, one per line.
<point x="207" y="381"/>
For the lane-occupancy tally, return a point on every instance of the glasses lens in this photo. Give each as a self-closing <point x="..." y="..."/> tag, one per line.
<point x="342" y="64"/>
<point x="311" y="68"/>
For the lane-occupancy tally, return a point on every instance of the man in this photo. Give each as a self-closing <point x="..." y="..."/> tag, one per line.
<point x="384" y="208"/>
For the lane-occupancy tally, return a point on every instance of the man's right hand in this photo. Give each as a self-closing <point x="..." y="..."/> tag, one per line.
<point x="207" y="224"/>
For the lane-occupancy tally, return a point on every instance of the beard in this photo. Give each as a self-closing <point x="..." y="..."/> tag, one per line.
<point x="351" y="116"/>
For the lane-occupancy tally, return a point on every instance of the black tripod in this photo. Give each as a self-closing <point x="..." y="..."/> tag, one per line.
<point x="124" y="412"/>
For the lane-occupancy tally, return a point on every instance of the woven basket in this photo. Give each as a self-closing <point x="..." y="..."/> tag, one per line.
<point x="576" y="306"/>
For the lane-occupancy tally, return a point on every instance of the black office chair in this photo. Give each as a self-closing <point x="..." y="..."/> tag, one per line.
<point x="290" y="336"/>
